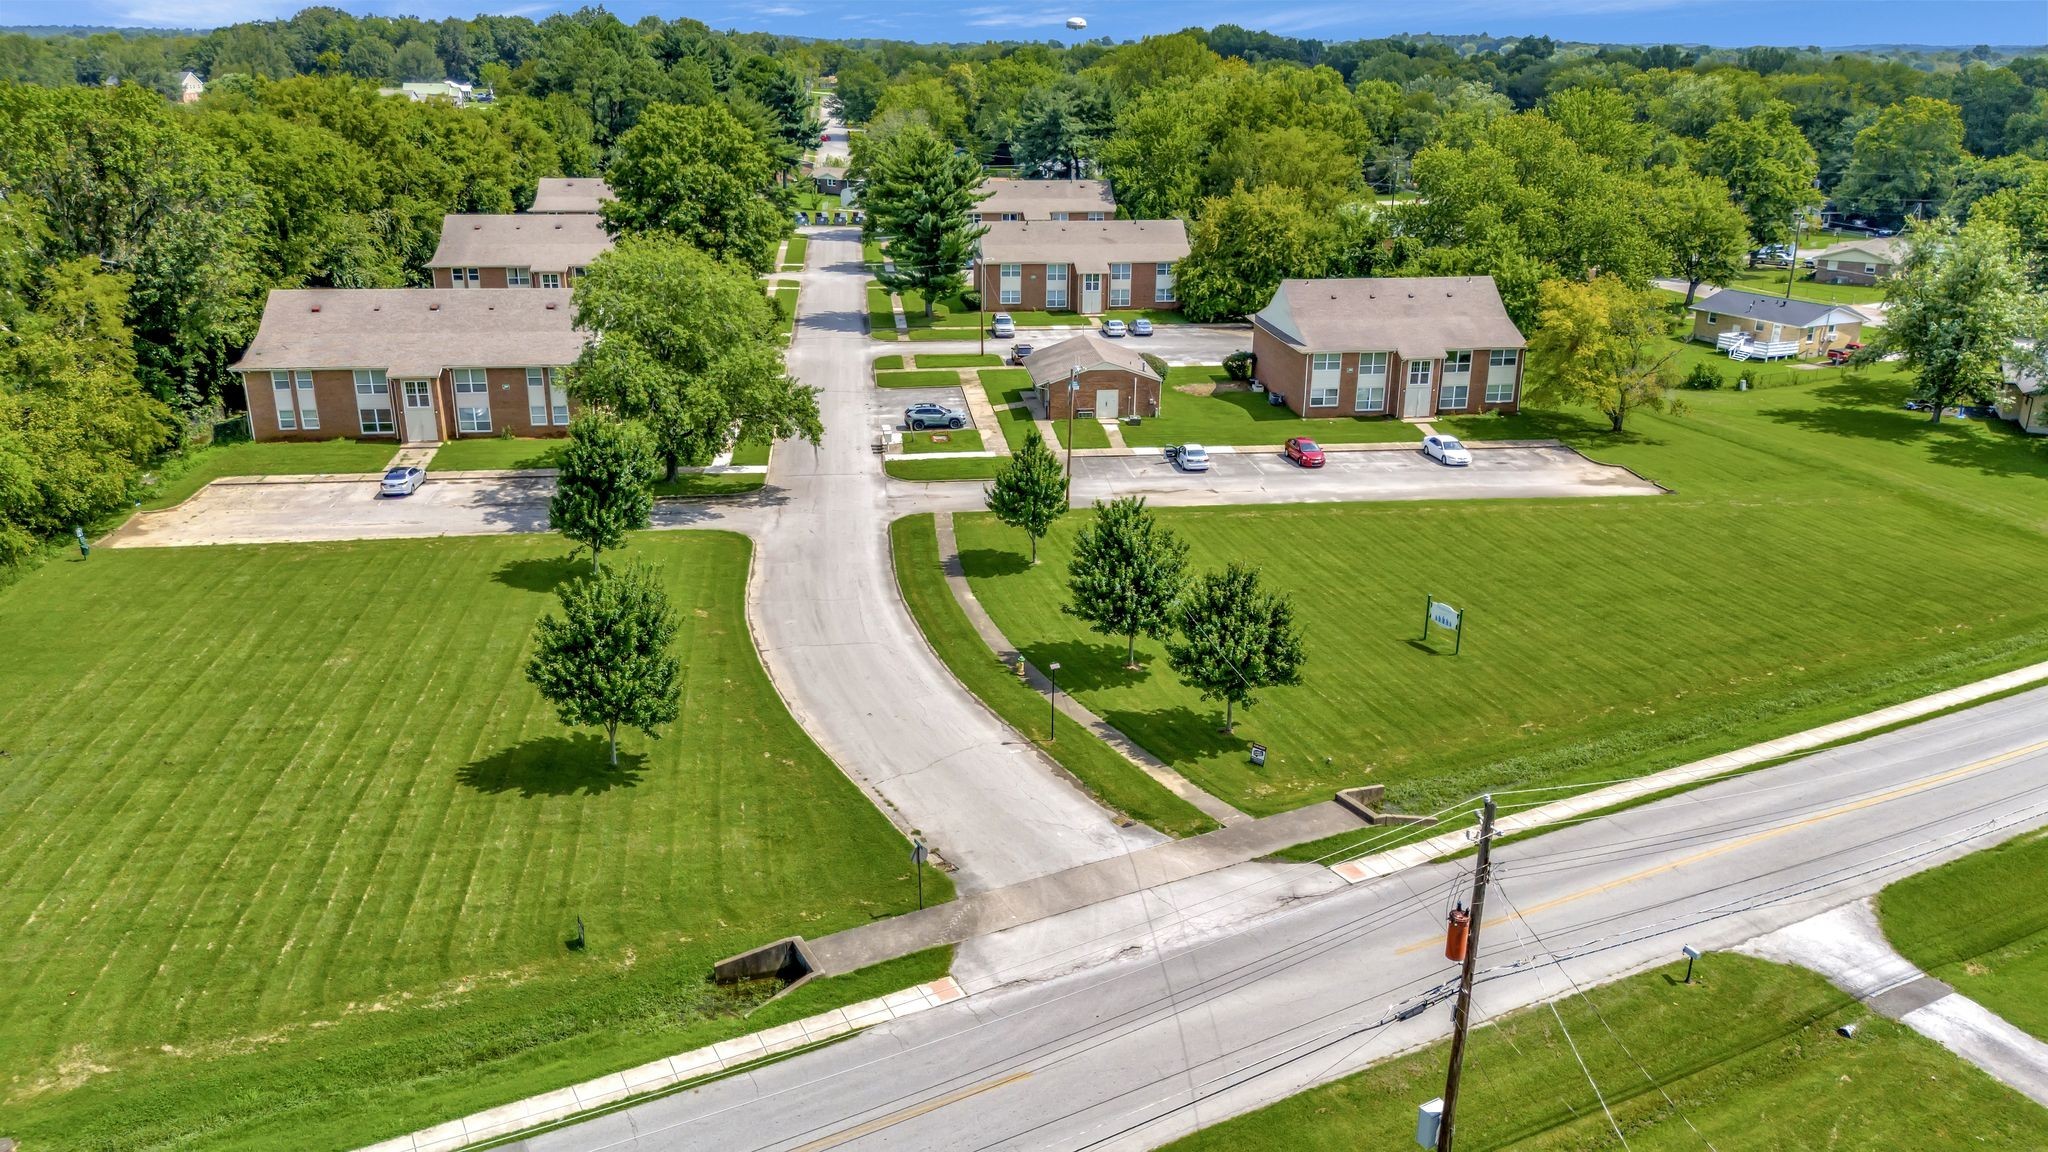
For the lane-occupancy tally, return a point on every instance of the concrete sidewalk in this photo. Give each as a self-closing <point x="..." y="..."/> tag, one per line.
<point x="1848" y="946"/>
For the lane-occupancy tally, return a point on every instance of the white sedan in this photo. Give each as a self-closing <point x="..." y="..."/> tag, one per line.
<point x="1189" y="457"/>
<point x="402" y="481"/>
<point x="1446" y="450"/>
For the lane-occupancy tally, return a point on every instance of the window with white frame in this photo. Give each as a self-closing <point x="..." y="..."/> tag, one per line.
<point x="1010" y="284"/>
<point x="537" y="396"/>
<point x="309" y="407"/>
<point x="1162" y="284"/>
<point x="1870" y="269"/>
<point x="548" y="279"/>
<point x="518" y="277"/>
<point x="373" y="402"/>
<point x="1421" y="373"/>
<point x="1055" y="285"/>
<point x="287" y="409"/>
<point x="1059" y="215"/>
<point x="1500" y="375"/>
<point x="558" y="397"/>
<point x="465" y="277"/>
<point x="1325" y="370"/>
<point x="1457" y="387"/>
<point x="1013" y="215"/>
<point x="1371" y="395"/>
<point x="1098" y="215"/>
<point x="1119" y="285"/>
<point x="472" y="400"/>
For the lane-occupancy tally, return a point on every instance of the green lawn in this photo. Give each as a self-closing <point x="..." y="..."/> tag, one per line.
<point x="959" y="360"/>
<point x="293" y="849"/>
<point x="871" y="253"/>
<point x="1771" y="282"/>
<point x="794" y="255"/>
<point x="1178" y="375"/>
<point x="497" y="453"/>
<point x="881" y="314"/>
<point x="888" y="363"/>
<point x="1112" y="779"/>
<point x="1789" y="580"/>
<point x="1980" y="924"/>
<point x="1006" y="386"/>
<point x="962" y="440"/>
<point x="1244" y="417"/>
<point x="178" y="479"/>
<point x="1155" y="315"/>
<point x="1086" y="433"/>
<point x="947" y="312"/>
<point x="1746" y="1053"/>
<point x="751" y="451"/>
<point x="712" y="484"/>
<point x="784" y="294"/>
<point x="962" y="468"/>
<point x="918" y="378"/>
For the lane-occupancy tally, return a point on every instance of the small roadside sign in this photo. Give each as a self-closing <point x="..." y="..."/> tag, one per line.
<point x="1259" y="755"/>
<point x="918" y="855"/>
<point x="1443" y="615"/>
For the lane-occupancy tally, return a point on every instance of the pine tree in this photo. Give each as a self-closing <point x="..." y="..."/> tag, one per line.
<point x="606" y="661"/>
<point x="920" y="194"/>
<point x="602" y="491"/>
<point x="1235" y="638"/>
<point x="1030" y="490"/>
<point x="1125" y="572"/>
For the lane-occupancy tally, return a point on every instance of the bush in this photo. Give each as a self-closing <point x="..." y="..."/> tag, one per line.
<point x="970" y="300"/>
<point x="1238" y="366"/>
<point x="1702" y="378"/>
<point x="1154" y="363"/>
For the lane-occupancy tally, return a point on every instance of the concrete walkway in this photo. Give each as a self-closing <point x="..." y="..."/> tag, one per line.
<point x="1848" y="946"/>
<point x="983" y="414"/>
<point x="981" y="913"/>
<point x="985" y="626"/>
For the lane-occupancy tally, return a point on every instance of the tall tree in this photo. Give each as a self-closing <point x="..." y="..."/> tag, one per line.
<point x="1030" y="490"/>
<point x="859" y="89"/>
<point x="1704" y="232"/>
<point x="601" y="486"/>
<point x="920" y="194"/>
<point x="1953" y="308"/>
<point x="1125" y="572"/>
<point x="1243" y="246"/>
<point x="1235" y="638"/>
<point x="1602" y="344"/>
<point x="700" y="175"/>
<point x="1768" y="166"/>
<point x="1906" y="162"/>
<point x="605" y="661"/>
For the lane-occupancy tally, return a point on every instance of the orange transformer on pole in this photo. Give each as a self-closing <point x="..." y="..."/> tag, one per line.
<point x="1455" y="935"/>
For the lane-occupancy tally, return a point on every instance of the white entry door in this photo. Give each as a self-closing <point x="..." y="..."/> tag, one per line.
<point x="1091" y="293"/>
<point x="419" y="412"/>
<point x="1105" y="404"/>
<point x="1417" y="399"/>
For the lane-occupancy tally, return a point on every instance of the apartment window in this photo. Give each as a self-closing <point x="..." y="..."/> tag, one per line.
<point x="576" y="273"/>
<point x="309" y="408"/>
<point x="518" y="277"/>
<point x="1119" y="285"/>
<point x="1371" y="395"/>
<point x="1455" y="392"/>
<point x="1055" y="285"/>
<point x="1010" y="288"/>
<point x="1013" y="215"/>
<point x="465" y="277"/>
<point x="1325" y="370"/>
<point x="1162" y="284"/>
<point x="1713" y="318"/>
<point x="1420" y="373"/>
<point x="548" y="279"/>
<point x="1059" y="215"/>
<point x="1457" y="364"/>
<point x="1500" y="375"/>
<point x="287" y="411"/>
<point x="559" y="397"/>
<point x="1098" y="215"/>
<point x="373" y="402"/>
<point x="1870" y="269"/>
<point x="472" y="400"/>
<point x="545" y="398"/>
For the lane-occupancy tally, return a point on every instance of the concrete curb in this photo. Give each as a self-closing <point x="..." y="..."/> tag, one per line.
<point x="1423" y="851"/>
<point x="699" y="1064"/>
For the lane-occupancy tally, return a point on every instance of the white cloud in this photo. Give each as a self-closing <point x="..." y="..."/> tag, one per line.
<point x="1012" y="18"/>
<point x="200" y="13"/>
<point x="781" y="10"/>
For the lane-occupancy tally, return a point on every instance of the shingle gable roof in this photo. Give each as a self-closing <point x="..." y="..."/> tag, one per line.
<point x="553" y="242"/>
<point x="414" y="332"/>
<point x="1086" y="352"/>
<point x="1416" y="317"/>
<point x="1088" y="245"/>
<point x="569" y="194"/>
<point x="1775" y="309"/>
<point x="1038" y="198"/>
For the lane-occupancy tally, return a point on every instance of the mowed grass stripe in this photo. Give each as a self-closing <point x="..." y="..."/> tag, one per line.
<point x="319" y="798"/>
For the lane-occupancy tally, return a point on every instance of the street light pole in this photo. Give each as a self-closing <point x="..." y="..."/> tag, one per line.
<point x="1052" y="700"/>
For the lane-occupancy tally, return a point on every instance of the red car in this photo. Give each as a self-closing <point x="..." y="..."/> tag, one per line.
<point x="1305" y="452"/>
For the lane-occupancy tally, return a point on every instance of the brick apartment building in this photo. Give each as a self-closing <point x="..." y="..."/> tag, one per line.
<point x="1085" y="266"/>
<point x="523" y="251"/>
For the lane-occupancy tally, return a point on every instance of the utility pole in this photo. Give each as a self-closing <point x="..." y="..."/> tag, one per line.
<point x="1462" y="1018"/>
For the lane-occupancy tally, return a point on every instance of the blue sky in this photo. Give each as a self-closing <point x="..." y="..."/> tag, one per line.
<point x="1724" y="22"/>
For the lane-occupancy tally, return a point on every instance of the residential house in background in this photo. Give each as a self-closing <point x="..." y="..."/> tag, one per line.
<point x="1045" y="200"/>
<point x="1857" y="261"/>
<point x="1082" y="266"/>
<point x="190" y="88"/>
<point x="1115" y="380"/>
<point x="416" y="365"/>
<point x="1752" y="326"/>
<point x="420" y="91"/>
<point x="2024" y="397"/>
<point x="1408" y="347"/>
<point x="573" y="194"/>
<point x="517" y="251"/>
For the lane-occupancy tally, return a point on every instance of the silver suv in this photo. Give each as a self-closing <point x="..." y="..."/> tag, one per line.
<point x="918" y="417"/>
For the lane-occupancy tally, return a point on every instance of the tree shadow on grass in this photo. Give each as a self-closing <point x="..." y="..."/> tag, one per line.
<point x="540" y="573"/>
<point x="994" y="562"/>
<point x="573" y="765"/>
<point x="1181" y="733"/>
<point x="1085" y="666"/>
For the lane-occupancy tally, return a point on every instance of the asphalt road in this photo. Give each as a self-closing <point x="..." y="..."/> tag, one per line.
<point x="1174" y="343"/>
<point x="1133" y="1052"/>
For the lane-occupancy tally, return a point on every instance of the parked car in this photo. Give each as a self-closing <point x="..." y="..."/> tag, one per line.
<point x="1018" y="352"/>
<point x="922" y="416"/>
<point x="1839" y="356"/>
<point x="1141" y="327"/>
<point x="1114" y="328"/>
<point x="1305" y="452"/>
<point x="1446" y="450"/>
<point x="1188" y="457"/>
<point x="402" y="481"/>
<point x="824" y="137"/>
<point x="1002" y="326"/>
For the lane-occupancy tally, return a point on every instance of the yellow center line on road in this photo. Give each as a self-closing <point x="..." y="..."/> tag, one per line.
<point x="911" y="1113"/>
<point x="1757" y="838"/>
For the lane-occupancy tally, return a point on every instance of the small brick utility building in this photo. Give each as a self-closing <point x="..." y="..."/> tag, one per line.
<point x="1115" y="380"/>
<point x="415" y="365"/>
<point x="1399" y="347"/>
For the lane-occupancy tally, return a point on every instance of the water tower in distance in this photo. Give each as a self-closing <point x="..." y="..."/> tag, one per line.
<point x="1076" y="23"/>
